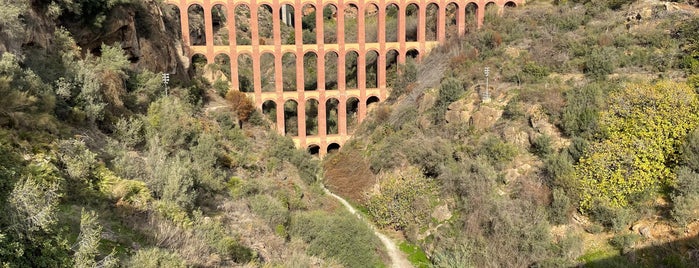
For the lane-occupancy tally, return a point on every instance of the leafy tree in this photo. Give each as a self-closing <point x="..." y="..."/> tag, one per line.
<point x="644" y="126"/>
<point x="403" y="199"/>
<point x="88" y="243"/>
<point x="242" y="105"/>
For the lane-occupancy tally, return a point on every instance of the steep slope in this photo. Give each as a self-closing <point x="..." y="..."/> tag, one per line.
<point x="575" y="158"/>
<point x="98" y="167"/>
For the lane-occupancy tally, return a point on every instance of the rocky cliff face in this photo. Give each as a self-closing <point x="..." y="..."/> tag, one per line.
<point x="138" y="27"/>
<point x="140" y="30"/>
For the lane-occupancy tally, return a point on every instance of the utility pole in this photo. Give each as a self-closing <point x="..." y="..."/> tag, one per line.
<point x="486" y="95"/>
<point x="166" y="79"/>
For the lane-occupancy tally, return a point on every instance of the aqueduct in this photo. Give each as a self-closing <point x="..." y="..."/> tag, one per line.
<point x="328" y="67"/>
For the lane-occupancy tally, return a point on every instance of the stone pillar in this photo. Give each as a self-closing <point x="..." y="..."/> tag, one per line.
<point x="480" y="15"/>
<point x="381" y="68"/>
<point x="461" y="19"/>
<point x="233" y="51"/>
<point x="401" y="33"/>
<point x="278" y="54"/>
<point x="341" y="55"/>
<point x="184" y="23"/>
<point x="301" y="117"/>
<point x="280" y="115"/>
<point x="322" y="118"/>
<point x="422" y="27"/>
<point x="256" y="55"/>
<point x="342" y="115"/>
<point x="208" y="29"/>
<point x="441" y="22"/>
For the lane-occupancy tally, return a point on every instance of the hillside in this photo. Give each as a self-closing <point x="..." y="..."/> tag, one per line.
<point x="584" y="154"/>
<point x="100" y="168"/>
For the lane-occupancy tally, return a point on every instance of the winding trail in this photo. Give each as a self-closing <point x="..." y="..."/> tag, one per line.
<point x="398" y="259"/>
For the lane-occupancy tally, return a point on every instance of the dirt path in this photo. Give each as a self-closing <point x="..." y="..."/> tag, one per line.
<point x="398" y="259"/>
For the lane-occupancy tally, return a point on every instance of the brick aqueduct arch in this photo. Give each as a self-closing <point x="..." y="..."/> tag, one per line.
<point x="379" y="48"/>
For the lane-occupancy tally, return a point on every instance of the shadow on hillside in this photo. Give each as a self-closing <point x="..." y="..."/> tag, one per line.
<point x="679" y="253"/>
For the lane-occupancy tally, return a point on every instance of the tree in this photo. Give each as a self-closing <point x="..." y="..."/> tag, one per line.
<point x="88" y="243"/>
<point x="644" y="126"/>
<point x="242" y="105"/>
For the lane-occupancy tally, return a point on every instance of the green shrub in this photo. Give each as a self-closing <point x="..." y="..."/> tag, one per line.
<point x="560" y="206"/>
<point x="690" y="150"/>
<point x="581" y="114"/>
<point x="600" y="62"/>
<point x="498" y="151"/>
<point x="560" y="172"/>
<point x="685" y="197"/>
<point x="514" y="110"/>
<point x="155" y="258"/>
<point x="610" y="217"/>
<point x="221" y="87"/>
<point x="405" y="198"/>
<point x="577" y="148"/>
<point x="342" y="237"/>
<point x="624" y="241"/>
<point x="541" y="146"/>
<point x="78" y="160"/>
<point x="270" y="209"/>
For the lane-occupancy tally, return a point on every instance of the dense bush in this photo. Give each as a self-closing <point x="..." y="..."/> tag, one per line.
<point x="581" y="113"/>
<point x="685" y="197"/>
<point x="644" y="126"/>
<point x="403" y="199"/>
<point x="155" y="258"/>
<point x="541" y="146"/>
<point x="342" y="237"/>
<point x="690" y="150"/>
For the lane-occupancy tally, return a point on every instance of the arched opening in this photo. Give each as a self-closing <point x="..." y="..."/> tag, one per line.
<point x="245" y="78"/>
<point x="391" y="67"/>
<point x="451" y="23"/>
<point x="411" y="22"/>
<point x="352" y="109"/>
<point x="392" y="23"/>
<point x="308" y="24"/>
<point x="172" y="19"/>
<point x="510" y="4"/>
<point x="286" y="16"/>
<point x="333" y="147"/>
<point x="432" y="14"/>
<point x="351" y="13"/>
<point x="331" y="116"/>
<point x="267" y="72"/>
<point x="412" y="54"/>
<point x="269" y="109"/>
<point x="220" y="25"/>
<point x="197" y="34"/>
<point x="371" y="102"/>
<point x="313" y="150"/>
<point x="372" y="68"/>
<point x="371" y="23"/>
<point x="311" y="117"/>
<point x="291" y="126"/>
<point x="471" y="16"/>
<point x="310" y="74"/>
<point x="289" y="71"/>
<point x="351" y="69"/>
<point x="491" y="11"/>
<point x="223" y="66"/>
<point x="199" y="63"/>
<point x="330" y="24"/>
<point x="330" y="70"/>
<point x="264" y="24"/>
<point x="222" y="73"/>
<point x="243" y="34"/>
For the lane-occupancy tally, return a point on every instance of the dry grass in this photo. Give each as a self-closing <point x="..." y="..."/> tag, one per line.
<point x="347" y="174"/>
